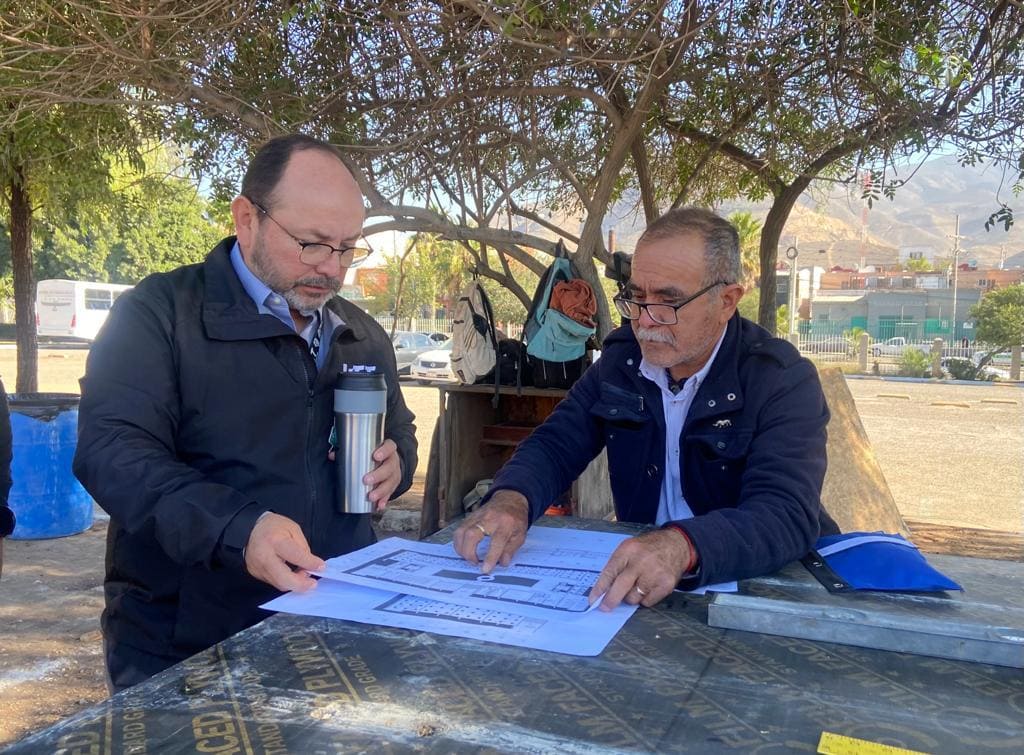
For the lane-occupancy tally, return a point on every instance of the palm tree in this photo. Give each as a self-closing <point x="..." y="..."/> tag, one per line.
<point x="749" y="229"/>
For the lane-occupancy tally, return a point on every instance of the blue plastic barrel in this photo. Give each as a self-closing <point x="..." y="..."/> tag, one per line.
<point x="45" y="496"/>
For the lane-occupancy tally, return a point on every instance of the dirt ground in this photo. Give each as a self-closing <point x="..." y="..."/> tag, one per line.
<point x="951" y="454"/>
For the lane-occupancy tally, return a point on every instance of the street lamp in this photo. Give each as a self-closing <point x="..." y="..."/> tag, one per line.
<point x="956" y="271"/>
<point x="791" y="254"/>
<point x="794" y="282"/>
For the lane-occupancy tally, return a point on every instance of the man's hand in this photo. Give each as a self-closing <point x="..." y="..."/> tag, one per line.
<point x="643" y="569"/>
<point x="384" y="478"/>
<point x="505" y="519"/>
<point x="277" y="553"/>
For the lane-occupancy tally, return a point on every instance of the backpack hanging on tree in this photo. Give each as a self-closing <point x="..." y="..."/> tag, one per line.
<point x="474" y="337"/>
<point x="556" y="344"/>
<point x="512" y="367"/>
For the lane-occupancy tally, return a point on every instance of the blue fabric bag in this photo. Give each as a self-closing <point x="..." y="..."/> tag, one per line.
<point x="873" y="561"/>
<point x="559" y="339"/>
<point x="556" y="345"/>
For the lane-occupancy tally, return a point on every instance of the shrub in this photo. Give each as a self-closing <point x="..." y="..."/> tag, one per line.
<point x="965" y="369"/>
<point x="853" y="336"/>
<point x="915" y="363"/>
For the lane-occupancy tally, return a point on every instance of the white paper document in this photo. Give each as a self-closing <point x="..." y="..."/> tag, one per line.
<point x="339" y="600"/>
<point x="538" y="601"/>
<point x="549" y="578"/>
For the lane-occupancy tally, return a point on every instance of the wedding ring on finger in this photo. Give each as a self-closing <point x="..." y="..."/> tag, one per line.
<point x="481" y="528"/>
<point x="637" y="588"/>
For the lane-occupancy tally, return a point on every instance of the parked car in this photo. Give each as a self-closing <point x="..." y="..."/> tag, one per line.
<point x="891" y="347"/>
<point x="437" y="337"/>
<point x="434" y="365"/>
<point x="831" y="345"/>
<point x="408" y="346"/>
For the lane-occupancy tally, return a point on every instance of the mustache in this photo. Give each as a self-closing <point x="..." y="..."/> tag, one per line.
<point x="654" y="336"/>
<point x="321" y="282"/>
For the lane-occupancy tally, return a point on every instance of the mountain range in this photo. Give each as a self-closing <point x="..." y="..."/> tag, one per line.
<point x="833" y="217"/>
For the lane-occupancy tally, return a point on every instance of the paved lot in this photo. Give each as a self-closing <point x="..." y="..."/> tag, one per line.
<point x="952" y="454"/>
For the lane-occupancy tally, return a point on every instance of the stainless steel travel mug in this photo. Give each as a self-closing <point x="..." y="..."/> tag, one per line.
<point x="360" y="402"/>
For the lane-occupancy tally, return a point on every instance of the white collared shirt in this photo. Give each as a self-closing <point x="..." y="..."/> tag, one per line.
<point x="672" y="505"/>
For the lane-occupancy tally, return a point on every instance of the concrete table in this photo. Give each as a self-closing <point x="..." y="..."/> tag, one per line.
<point x="667" y="683"/>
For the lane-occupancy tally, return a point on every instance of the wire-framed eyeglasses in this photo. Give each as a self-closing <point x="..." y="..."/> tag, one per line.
<point x="315" y="253"/>
<point x="662" y="314"/>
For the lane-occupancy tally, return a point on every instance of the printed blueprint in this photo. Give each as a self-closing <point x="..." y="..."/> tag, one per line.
<point x="339" y="600"/>
<point x="550" y="577"/>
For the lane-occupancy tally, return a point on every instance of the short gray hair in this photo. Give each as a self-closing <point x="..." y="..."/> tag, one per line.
<point x="721" y="241"/>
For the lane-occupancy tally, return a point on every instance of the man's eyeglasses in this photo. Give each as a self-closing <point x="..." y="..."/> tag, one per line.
<point x="662" y="314"/>
<point x="315" y="253"/>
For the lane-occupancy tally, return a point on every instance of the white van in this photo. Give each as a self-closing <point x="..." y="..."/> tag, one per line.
<point x="73" y="309"/>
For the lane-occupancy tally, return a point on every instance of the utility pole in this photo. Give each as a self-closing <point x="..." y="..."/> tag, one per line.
<point x="791" y="254"/>
<point x="956" y="271"/>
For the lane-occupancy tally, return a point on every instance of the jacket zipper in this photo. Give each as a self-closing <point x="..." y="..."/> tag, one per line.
<point x="310" y="445"/>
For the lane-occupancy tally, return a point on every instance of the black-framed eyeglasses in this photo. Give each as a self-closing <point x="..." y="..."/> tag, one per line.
<point x="662" y="314"/>
<point x="315" y="253"/>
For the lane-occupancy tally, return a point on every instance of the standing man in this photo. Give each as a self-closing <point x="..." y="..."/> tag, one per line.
<point x="715" y="430"/>
<point x="206" y="412"/>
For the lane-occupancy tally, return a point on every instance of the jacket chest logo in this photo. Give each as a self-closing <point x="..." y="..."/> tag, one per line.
<point x="722" y="423"/>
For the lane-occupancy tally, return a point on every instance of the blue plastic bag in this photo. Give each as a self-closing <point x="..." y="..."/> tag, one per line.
<point x="874" y="561"/>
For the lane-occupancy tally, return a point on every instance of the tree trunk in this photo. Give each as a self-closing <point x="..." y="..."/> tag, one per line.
<point x="591" y="240"/>
<point x="400" y="286"/>
<point x="24" y="285"/>
<point x="770" y="235"/>
<point x="644" y="181"/>
<point x="592" y="235"/>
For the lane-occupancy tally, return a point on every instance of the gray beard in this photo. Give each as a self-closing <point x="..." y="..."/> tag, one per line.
<point x="263" y="267"/>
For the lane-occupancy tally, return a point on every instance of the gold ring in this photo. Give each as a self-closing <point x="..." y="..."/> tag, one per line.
<point x="637" y="588"/>
<point x="481" y="528"/>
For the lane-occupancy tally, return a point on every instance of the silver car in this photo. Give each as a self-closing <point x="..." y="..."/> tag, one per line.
<point x="435" y="364"/>
<point x="408" y="346"/>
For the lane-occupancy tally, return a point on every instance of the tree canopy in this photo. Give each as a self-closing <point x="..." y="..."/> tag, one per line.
<point x="505" y="126"/>
<point x="999" y="319"/>
<point x="428" y="271"/>
<point x="150" y="220"/>
<point x="57" y="159"/>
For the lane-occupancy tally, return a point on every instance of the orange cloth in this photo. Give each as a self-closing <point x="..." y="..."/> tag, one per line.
<point x="576" y="300"/>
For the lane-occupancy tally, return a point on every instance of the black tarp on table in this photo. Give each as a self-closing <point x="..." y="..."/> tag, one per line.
<point x="667" y="682"/>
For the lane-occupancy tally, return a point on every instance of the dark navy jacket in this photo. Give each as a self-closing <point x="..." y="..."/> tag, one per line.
<point x="752" y="450"/>
<point x="197" y="415"/>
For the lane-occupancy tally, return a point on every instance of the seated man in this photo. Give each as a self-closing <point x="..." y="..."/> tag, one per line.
<point x="715" y="431"/>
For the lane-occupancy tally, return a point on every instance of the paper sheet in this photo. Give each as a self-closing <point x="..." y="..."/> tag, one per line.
<point x="338" y="600"/>
<point x="539" y="601"/>
<point x="549" y="578"/>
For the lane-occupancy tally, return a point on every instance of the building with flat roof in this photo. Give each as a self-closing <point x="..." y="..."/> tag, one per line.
<point x="917" y="314"/>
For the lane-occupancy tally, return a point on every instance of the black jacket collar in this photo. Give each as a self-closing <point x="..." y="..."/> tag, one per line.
<point x="230" y="314"/>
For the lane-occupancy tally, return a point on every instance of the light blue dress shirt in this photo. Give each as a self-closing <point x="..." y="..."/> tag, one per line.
<point x="269" y="302"/>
